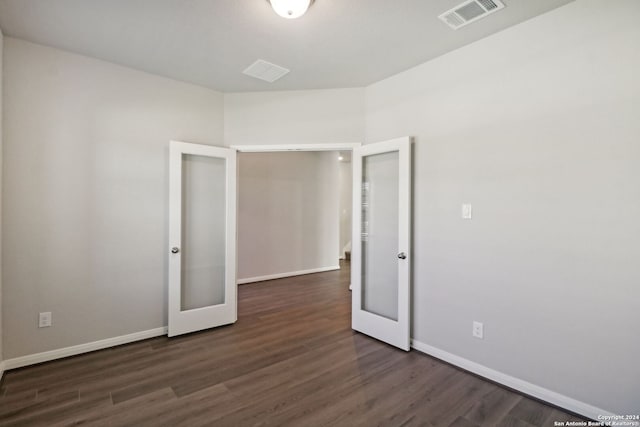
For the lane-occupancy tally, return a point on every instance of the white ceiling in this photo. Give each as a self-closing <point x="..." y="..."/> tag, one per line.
<point x="338" y="43"/>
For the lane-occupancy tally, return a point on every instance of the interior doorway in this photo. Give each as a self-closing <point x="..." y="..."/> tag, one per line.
<point x="381" y="233"/>
<point x="294" y="210"/>
<point x="345" y="204"/>
<point x="381" y="212"/>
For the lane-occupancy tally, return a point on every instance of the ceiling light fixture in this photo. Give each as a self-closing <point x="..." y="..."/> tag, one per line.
<point x="290" y="9"/>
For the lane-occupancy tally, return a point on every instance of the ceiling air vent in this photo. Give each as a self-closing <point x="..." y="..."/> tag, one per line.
<point x="266" y="71"/>
<point x="470" y="11"/>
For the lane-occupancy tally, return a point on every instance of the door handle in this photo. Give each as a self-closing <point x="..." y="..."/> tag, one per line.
<point x="402" y="255"/>
<point x="175" y="250"/>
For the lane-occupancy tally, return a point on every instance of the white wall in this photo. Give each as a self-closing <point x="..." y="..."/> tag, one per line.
<point x="288" y="206"/>
<point x="294" y="117"/>
<point x="537" y="127"/>
<point x="289" y="117"/>
<point x="85" y="193"/>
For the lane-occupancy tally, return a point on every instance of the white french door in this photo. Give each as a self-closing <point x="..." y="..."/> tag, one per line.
<point x="202" y="237"/>
<point x="380" y="260"/>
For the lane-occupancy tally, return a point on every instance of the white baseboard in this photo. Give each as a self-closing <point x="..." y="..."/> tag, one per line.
<point x="288" y="274"/>
<point x="1" y="369"/>
<point x="46" y="356"/>
<point x="522" y="386"/>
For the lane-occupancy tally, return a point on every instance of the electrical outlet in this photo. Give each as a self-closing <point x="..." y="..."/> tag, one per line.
<point x="467" y="211"/>
<point x="478" y="330"/>
<point x="44" y="321"/>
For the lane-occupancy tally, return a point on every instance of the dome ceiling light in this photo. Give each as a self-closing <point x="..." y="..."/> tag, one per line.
<point x="290" y="9"/>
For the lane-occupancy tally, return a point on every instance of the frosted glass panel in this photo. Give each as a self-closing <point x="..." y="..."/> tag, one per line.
<point x="203" y="232"/>
<point x="379" y="238"/>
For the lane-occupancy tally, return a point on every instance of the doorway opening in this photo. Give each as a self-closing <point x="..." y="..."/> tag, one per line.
<point x="294" y="210"/>
<point x="381" y="228"/>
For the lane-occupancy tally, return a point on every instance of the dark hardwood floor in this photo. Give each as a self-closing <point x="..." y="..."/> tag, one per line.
<point x="290" y="360"/>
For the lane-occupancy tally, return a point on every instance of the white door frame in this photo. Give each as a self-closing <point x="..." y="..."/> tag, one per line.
<point x="181" y="322"/>
<point x="257" y="148"/>
<point x="377" y="327"/>
<point x="394" y="332"/>
<point x="405" y="177"/>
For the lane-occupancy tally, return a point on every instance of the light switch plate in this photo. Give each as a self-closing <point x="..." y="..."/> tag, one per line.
<point x="478" y="330"/>
<point x="44" y="319"/>
<point x="467" y="211"/>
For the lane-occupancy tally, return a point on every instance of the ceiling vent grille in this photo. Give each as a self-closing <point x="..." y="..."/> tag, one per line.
<point x="266" y="71"/>
<point x="470" y="11"/>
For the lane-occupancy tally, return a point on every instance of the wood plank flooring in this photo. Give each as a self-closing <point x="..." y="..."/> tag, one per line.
<point x="290" y="360"/>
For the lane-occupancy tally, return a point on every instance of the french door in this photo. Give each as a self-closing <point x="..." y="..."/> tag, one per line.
<point x="381" y="247"/>
<point x="202" y="237"/>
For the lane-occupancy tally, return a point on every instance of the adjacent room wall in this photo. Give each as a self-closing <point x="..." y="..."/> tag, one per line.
<point x="85" y="193"/>
<point x="288" y="206"/>
<point x="538" y="128"/>
<point x="294" y="117"/>
<point x="291" y="117"/>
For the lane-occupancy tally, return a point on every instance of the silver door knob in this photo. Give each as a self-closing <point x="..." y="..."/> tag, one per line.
<point x="175" y="250"/>
<point x="402" y="255"/>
